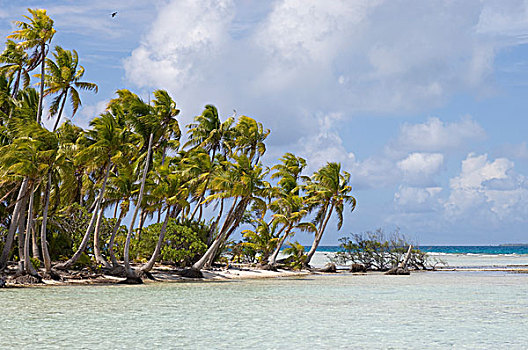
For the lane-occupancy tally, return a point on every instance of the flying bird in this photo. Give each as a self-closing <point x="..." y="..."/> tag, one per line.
<point x="113" y="14"/>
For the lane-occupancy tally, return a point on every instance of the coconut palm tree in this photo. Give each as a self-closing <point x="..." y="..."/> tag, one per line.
<point x="209" y="134"/>
<point x="62" y="80"/>
<point x="328" y="191"/>
<point x="27" y="156"/>
<point x="36" y="34"/>
<point x="106" y="143"/>
<point x="243" y="183"/>
<point x="172" y="191"/>
<point x="15" y="66"/>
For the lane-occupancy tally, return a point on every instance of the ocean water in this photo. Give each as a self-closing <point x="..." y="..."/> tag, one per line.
<point x="427" y="310"/>
<point x="459" y="257"/>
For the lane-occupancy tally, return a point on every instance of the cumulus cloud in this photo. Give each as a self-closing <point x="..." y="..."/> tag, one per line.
<point x="294" y="58"/>
<point x="436" y="135"/>
<point x="419" y="168"/>
<point x="417" y="199"/>
<point x="488" y="190"/>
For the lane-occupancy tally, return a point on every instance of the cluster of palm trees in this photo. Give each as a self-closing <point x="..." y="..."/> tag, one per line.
<point x="132" y="159"/>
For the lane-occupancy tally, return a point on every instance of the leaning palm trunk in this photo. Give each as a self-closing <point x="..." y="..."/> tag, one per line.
<point x="112" y="239"/>
<point x="28" y="266"/>
<point x="150" y="264"/>
<point x="273" y="258"/>
<point x="318" y="236"/>
<point x="20" y="234"/>
<point x="60" y="111"/>
<point x="41" y="95"/>
<point x="233" y="219"/>
<point x="97" y="249"/>
<point x="43" y="239"/>
<point x="20" y="203"/>
<point x="67" y="264"/>
<point x="126" y="253"/>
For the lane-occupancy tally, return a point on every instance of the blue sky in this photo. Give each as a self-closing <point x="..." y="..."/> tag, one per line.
<point x="424" y="103"/>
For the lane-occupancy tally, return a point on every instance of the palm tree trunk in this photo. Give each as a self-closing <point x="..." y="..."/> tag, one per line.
<point x="142" y="218"/>
<point x="232" y="220"/>
<point x="126" y="253"/>
<point x="318" y="236"/>
<point x="150" y="264"/>
<point x="112" y="239"/>
<point x="97" y="249"/>
<point x="34" y="244"/>
<point x="273" y="258"/>
<point x="15" y="86"/>
<point x="43" y="239"/>
<point x="20" y="203"/>
<point x="20" y="233"/>
<point x="213" y="227"/>
<point x="237" y="218"/>
<point x="41" y="95"/>
<point x="61" y="109"/>
<point x="67" y="264"/>
<point x="28" y="266"/>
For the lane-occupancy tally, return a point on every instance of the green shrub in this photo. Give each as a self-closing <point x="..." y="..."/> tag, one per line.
<point x="184" y="243"/>
<point x="296" y="259"/>
<point x="377" y="252"/>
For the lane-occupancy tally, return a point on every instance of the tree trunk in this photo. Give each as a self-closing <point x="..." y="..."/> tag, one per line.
<point x="318" y="236"/>
<point x="41" y="95"/>
<point x="273" y="258"/>
<point x="97" y="249"/>
<point x="232" y="220"/>
<point x="21" y="232"/>
<point x="60" y="111"/>
<point x="210" y="236"/>
<point x="67" y="264"/>
<point x="28" y="267"/>
<point x="126" y="254"/>
<point x="403" y="264"/>
<point x="15" y="86"/>
<point x="20" y="203"/>
<point x="150" y="264"/>
<point x="142" y="218"/>
<point x="43" y="238"/>
<point x="112" y="239"/>
<point x="34" y="244"/>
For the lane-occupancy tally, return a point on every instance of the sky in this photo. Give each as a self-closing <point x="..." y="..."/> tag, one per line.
<point x="423" y="102"/>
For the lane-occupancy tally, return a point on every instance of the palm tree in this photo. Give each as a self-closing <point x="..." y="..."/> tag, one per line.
<point x="27" y="157"/>
<point x="16" y="66"/>
<point x="328" y="191"/>
<point x="289" y="207"/>
<point x="106" y="144"/>
<point x="209" y="134"/>
<point x="244" y="183"/>
<point x="63" y="79"/>
<point x="249" y="136"/>
<point x="36" y="34"/>
<point x="174" y="193"/>
<point x="153" y="123"/>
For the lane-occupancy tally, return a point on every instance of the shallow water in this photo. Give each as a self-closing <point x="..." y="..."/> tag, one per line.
<point x="433" y="310"/>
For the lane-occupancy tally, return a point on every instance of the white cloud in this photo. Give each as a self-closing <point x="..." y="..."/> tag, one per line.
<point x="296" y="57"/>
<point x="419" y="168"/>
<point x="417" y="199"/>
<point x="435" y="135"/>
<point x="488" y="190"/>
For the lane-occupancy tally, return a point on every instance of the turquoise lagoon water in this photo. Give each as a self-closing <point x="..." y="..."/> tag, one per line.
<point x="426" y="310"/>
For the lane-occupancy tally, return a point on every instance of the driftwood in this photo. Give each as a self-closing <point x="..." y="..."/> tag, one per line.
<point x="402" y="269"/>
<point x="330" y="267"/>
<point x="358" y="268"/>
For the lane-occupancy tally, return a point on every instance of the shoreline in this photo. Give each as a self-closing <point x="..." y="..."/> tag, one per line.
<point x="166" y="274"/>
